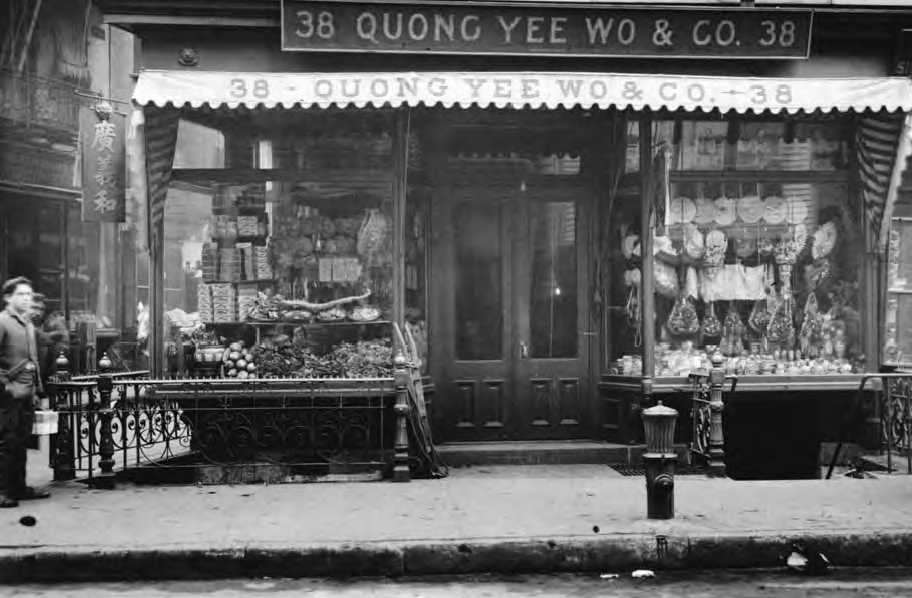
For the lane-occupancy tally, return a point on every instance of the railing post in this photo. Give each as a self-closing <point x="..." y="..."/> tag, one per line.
<point x="401" y="471"/>
<point x="61" y="456"/>
<point x="105" y="479"/>
<point x="716" y="406"/>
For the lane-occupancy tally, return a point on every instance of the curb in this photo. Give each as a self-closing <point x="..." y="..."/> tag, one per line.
<point x="615" y="553"/>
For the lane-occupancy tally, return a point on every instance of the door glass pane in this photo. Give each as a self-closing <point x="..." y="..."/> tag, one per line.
<point x="479" y="279"/>
<point x="553" y="293"/>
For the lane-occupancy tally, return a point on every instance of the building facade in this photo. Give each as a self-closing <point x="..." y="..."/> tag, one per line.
<point x="491" y="176"/>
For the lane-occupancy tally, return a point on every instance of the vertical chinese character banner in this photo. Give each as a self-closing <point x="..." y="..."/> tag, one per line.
<point x="103" y="169"/>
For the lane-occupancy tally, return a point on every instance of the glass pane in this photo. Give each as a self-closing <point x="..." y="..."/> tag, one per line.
<point x="748" y="145"/>
<point x="618" y="264"/>
<point x="479" y="281"/>
<point x="296" y="273"/>
<point x="764" y="272"/>
<point x="763" y="268"/>
<point x="553" y="293"/>
<point x="897" y="348"/>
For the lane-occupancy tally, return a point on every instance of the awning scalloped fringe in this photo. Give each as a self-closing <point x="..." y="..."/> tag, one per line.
<point x="551" y="90"/>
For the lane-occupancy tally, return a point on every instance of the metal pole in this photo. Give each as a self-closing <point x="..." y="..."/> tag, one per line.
<point x="888" y="397"/>
<point x="105" y="480"/>
<point x="62" y="459"/>
<point x="401" y="471"/>
<point x="716" y="406"/>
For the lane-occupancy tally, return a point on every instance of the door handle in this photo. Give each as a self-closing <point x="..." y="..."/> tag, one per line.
<point x="523" y="350"/>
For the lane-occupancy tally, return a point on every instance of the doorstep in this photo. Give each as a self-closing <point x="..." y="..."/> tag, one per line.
<point x="545" y="452"/>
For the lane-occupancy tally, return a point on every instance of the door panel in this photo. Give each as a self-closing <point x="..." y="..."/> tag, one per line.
<point x="510" y="315"/>
<point x="471" y="290"/>
<point x="552" y="316"/>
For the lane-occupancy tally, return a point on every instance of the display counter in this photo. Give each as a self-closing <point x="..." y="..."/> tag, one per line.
<point x="746" y="384"/>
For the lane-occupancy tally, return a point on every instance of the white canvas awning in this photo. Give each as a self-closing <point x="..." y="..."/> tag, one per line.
<point x="882" y="136"/>
<point x="522" y="89"/>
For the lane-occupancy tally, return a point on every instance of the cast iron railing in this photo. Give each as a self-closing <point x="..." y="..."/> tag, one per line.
<point x="892" y="395"/>
<point x="290" y="428"/>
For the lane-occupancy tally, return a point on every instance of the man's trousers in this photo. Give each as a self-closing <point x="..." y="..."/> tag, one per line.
<point x="16" y="417"/>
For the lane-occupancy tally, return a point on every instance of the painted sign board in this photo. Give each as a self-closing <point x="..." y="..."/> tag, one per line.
<point x="103" y="164"/>
<point x="545" y="30"/>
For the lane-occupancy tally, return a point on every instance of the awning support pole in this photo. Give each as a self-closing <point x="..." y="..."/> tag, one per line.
<point x="647" y="226"/>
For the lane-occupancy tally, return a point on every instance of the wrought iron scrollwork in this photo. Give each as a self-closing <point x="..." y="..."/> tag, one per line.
<point x="896" y="414"/>
<point x="701" y="415"/>
<point x="311" y="423"/>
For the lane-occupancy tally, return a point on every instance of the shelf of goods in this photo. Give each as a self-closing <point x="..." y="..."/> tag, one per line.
<point x="294" y="287"/>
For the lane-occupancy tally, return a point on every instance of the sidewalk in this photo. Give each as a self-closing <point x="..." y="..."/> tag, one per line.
<point x="485" y="519"/>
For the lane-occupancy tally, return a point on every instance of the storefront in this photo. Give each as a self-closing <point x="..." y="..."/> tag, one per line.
<point x="498" y="203"/>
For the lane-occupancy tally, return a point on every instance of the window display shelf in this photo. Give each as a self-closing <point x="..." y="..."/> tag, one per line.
<point x="263" y="280"/>
<point x="307" y="324"/>
<point x="681" y="384"/>
<point x="785" y="176"/>
<point x="261" y="175"/>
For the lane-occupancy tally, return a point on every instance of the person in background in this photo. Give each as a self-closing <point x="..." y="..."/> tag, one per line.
<point x="20" y="381"/>
<point x="53" y="336"/>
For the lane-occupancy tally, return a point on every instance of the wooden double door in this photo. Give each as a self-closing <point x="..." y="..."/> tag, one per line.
<point x="510" y="312"/>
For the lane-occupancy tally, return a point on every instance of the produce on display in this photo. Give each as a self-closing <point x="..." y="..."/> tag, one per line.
<point x="238" y="362"/>
<point x="281" y="358"/>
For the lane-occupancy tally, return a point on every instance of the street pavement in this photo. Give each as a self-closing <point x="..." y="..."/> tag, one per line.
<point x="497" y="519"/>
<point x="869" y="583"/>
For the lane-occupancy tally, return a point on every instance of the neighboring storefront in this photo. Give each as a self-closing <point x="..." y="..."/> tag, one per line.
<point x="483" y="176"/>
<point x="57" y="57"/>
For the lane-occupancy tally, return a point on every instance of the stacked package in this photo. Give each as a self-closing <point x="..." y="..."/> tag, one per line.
<point x="229" y="264"/>
<point x="245" y="254"/>
<point x="204" y="302"/>
<point x="261" y="263"/>
<point x="224" y="227"/>
<point x="246" y="299"/>
<point x="209" y="262"/>
<point x="247" y="226"/>
<point x="224" y="303"/>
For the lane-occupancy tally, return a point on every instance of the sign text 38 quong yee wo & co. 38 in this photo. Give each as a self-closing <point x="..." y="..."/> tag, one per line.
<point x="566" y="31"/>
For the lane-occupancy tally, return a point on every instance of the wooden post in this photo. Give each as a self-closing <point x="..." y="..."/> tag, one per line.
<point x="401" y="471"/>
<point x="156" y="311"/>
<point x="105" y="480"/>
<point x="400" y="192"/>
<point x="647" y="226"/>
<point x="716" y="406"/>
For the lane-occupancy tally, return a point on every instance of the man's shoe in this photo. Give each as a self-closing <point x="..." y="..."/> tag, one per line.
<point x="7" y="502"/>
<point x="31" y="493"/>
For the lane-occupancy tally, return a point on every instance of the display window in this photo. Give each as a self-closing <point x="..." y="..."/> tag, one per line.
<point x="291" y="275"/>
<point x="757" y="249"/>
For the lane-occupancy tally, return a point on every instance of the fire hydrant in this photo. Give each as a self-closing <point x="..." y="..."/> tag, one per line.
<point x="659" y="461"/>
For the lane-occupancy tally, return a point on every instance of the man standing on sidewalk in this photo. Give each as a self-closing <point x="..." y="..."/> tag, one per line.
<point x="52" y="334"/>
<point x="20" y="381"/>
